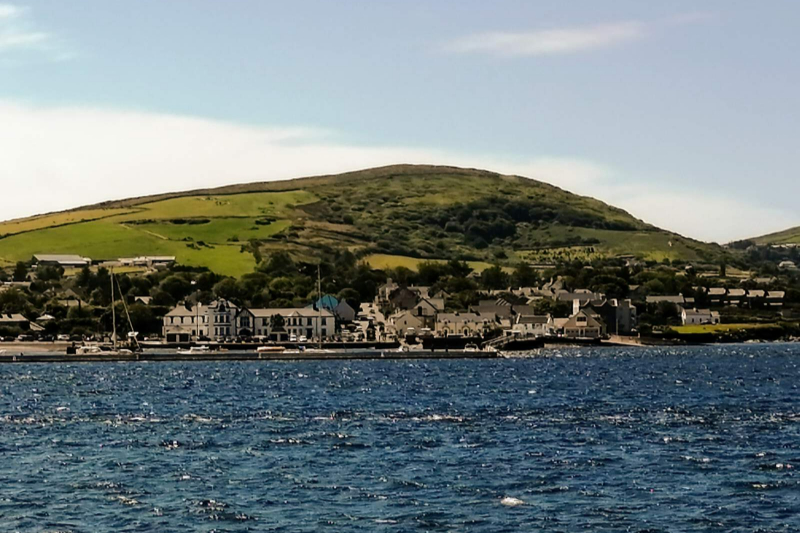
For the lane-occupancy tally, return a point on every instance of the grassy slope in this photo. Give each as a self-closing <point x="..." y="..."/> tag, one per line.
<point x="114" y="234"/>
<point x="789" y="236"/>
<point x="309" y="216"/>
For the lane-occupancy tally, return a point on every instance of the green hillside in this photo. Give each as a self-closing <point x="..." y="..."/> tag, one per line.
<point x="789" y="236"/>
<point x="397" y="212"/>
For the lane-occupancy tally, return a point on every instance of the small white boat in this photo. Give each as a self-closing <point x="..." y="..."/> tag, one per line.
<point x="270" y="349"/>
<point x="195" y="350"/>
<point x="94" y="349"/>
<point x="471" y="348"/>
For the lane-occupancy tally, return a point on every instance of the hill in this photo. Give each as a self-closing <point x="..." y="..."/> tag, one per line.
<point x="389" y="215"/>
<point x="789" y="236"/>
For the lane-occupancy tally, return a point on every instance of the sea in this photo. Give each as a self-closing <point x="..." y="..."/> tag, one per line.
<point x="569" y="440"/>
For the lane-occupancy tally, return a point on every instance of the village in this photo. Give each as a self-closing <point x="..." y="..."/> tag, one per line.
<point x="399" y="312"/>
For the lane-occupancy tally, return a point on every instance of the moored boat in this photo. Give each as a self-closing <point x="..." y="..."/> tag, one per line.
<point x="194" y="350"/>
<point x="270" y="349"/>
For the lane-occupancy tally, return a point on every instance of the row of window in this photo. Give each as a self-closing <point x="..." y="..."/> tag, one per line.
<point x="189" y="321"/>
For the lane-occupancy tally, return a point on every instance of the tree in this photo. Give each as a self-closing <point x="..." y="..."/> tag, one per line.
<point x="279" y="263"/>
<point x="49" y="273"/>
<point x="494" y="278"/>
<point x="276" y="323"/>
<point x="177" y="286"/>
<point x="524" y="275"/>
<point x="459" y="269"/>
<point x="20" y="271"/>
<point x="14" y="301"/>
<point x="556" y="308"/>
<point x="351" y="296"/>
<point x="227" y="289"/>
<point x="84" y="278"/>
<point x="430" y="272"/>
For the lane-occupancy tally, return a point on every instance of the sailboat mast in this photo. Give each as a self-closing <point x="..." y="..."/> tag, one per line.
<point x="113" y="315"/>
<point x="319" y="306"/>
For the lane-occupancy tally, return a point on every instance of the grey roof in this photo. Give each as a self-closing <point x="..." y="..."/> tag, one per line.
<point x="290" y="311"/>
<point x="182" y="310"/>
<point x="581" y="295"/>
<point x="56" y="258"/>
<point x="676" y="299"/>
<point x="533" y="319"/>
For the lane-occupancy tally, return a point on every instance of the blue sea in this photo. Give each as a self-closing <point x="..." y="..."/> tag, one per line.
<point x="648" y="440"/>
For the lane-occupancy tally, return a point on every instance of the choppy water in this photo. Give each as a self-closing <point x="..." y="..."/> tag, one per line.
<point x="699" y="439"/>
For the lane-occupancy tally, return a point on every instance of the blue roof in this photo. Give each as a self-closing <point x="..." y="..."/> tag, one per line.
<point x="327" y="302"/>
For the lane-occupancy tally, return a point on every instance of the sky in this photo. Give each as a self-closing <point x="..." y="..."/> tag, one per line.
<point x="684" y="113"/>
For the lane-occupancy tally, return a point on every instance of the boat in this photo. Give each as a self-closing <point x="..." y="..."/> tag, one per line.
<point x="471" y="348"/>
<point x="114" y="350"/>
<point x="195" y="350"/>
<point x="270" y="349"/>
<point x="94" y="349"/>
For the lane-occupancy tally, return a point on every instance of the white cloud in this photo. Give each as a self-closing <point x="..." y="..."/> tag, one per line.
<point x="19" y="35"/>
<point x="549" y="41"/>
<point x="8" y="11"/>
<point x="567" y="40"/>
<point x="55" y="158"/>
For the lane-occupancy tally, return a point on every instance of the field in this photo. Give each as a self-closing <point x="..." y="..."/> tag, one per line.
<point x="719" y="328"/>
<point x="648" y="245"/>
<point x="382" y="261"/>
<point x="58" y="219"/>
<point x="199" y="231"/>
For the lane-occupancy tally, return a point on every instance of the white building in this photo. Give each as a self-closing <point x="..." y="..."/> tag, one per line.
<point x="62" y="260"/>
<point x="149" y="261"/>
<point x="299" y="322"/>
<point x="538" y="325"/>
<point x="466" y="324"/>
<point x="406" y="323"/>
<point x="215" y="321"/>
<point x="221" y="320"/>
<point x="691" y="317"/>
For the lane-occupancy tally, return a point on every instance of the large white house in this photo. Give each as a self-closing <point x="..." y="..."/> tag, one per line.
<point x="222" y="319"/>
<point x="215" y="321"/>
<point x="284" y="323"/>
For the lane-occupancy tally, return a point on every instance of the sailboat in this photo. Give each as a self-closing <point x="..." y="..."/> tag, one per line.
<point x="319" y="349"/>
<point x="96" y="349"/>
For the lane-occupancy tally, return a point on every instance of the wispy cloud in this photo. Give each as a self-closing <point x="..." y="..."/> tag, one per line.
<point x="55" y="158"/>
<point x="19" y="35"/>
<point x="566" y="40"/>
<point x="549" y="41"/>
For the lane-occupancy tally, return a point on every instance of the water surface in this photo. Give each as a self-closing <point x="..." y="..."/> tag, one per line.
<point x="695" y="439"/>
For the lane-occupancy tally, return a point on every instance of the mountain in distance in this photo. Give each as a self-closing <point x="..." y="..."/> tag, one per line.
<point x="390" y="216"/>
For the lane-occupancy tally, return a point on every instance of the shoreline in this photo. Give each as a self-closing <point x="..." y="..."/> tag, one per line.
<point x="54" y="357"/>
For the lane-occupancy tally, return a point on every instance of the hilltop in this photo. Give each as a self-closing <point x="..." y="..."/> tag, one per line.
<point x="391" y="216"/>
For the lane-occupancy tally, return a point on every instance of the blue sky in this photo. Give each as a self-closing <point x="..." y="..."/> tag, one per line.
<point x="684" y="113"/>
